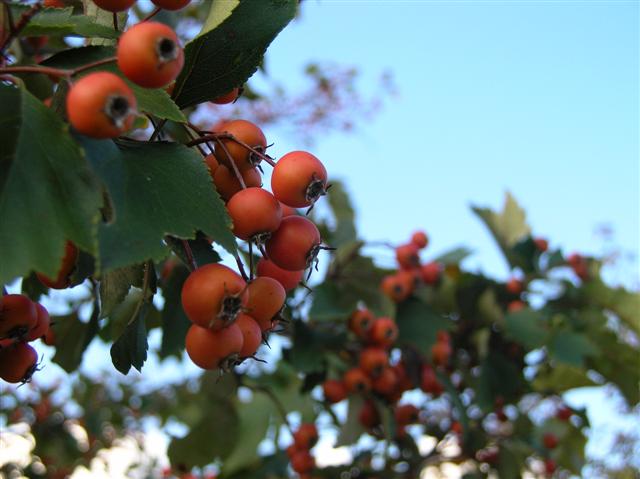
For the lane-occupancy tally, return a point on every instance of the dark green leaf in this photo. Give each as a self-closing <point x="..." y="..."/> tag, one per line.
<point x="625" y="304"/>
<point x="571" y="348"/>
<point x="175" y="323"/>
<point x="528" y="327"/>
<point x="418" y="324"/>
<point x="310" y="345"/>
<point x="229" y="48"/>
<point x="60" y="21"/>
<point x="72" y="338"/>
<point x="213" y="437"/>
<point x="352" y="429"/>
<point x="525" y="254"/>
<point x="115" y="285"/>
<point x="48" y="193"/>
<point x="130" y="349"/>
<point x="329" y="304"/>
<point x="498" y="377"/>
<point x="345" y="229"/>
<point x="562" y="377"/>
<point x="201" y="249"/>
<point x="156" y="189"/>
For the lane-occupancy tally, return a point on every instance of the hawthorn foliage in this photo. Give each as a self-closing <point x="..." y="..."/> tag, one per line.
<point x="142" y="210"/>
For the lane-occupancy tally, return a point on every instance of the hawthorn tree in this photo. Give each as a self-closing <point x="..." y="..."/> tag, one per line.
<point x="416" y="367"/>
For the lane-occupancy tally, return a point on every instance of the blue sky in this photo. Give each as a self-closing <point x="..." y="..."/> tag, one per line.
<point x="538" y="98"/>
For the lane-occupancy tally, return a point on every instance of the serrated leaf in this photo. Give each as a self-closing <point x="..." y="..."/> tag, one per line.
<point x="252" y="429"/>
<point x="625" y="304"/>
<point x="115" y="285"/>
<point x="175" y="323"/>
<point x="61" y="21"/>
<point x="562" y="377"/>
<point x="48" y="193"/>
<point x="156" y="189"/>
<point x="572" y="348"/>
<point x="527" y="327"/>
<point x="72" y="339"/>
<point x="201" y="250"/>
<point x="498" y="377"/>
<point x="200" y="446"/>
<point x="155" y="101"/>
<point x="345" y="229"/>
<point x="455" y="256"/>
<point x="418" y="324"/>
<point x="507" y="227"/>
<point x="130" y="349"/>
<point x="226" y="53"/>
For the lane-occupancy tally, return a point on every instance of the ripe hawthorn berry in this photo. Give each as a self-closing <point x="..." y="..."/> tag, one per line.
<point x="360" y="322"/>
<point x="42" y="323"/>
<point x="404" y="381"/>
<point x="386" y="383"/>
<point x="114" y="5"/>
<point x="373" y="361"/>
<point x="515" y="306"/>
<point x="302" y="462"/>
<point x="431" y="272"/>
<point x="294" y="246"/>
<point x="227" y="183"/>
<point x="101" y="105"/>
<point x="407" y="414"/>
<point x="247" y="133"/>
<point x="514" y="286"/>
<point x="251" y="334"/>
<point x="266" y="300"/>
<point x="407" y="256"/>
<point x="334" y="391"/>
<point x="384" y="332"/>
<point x="213" y="296"/>
<point x="67" y="267"/>
<point x="550" y="440"/>
<point x="441" y="350"/>
<point x="54" y="3"/>
<point x="368" y="415"/>
<point x="255" y="213"/>
<point x="229" y="97"/>
<point x="214" y="349"/>
<point x="18" y="363"/>
<point x="564" y="413"/>
<point x="429" y="381"/>
<point x="212" y="163"/>
<point x="541" y="244"/>
<point x="299" y="179"/>
<point x="306" y="436"/>
<point x="420" y="239"/>
<point x="171" y="4"/>
<point x="288" y="279"/>
<point x="149" y="54"/>
<point x="550" y="466"/>
<point x="356" y="381"/>
<point x="288" y="210"/>
<point x="397" y="287"/>
<point x="18" y="314"/>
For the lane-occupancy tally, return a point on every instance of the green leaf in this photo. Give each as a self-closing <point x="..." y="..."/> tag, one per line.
<point x="200" y="446"/>
<point x="311" y="345"/>
<point x="507" y="227"/>
<point x="72" y="339"/>
<point x="115" y="285"/>
<point x="351" y="430"/>
<point x="329" y="304"/>
<point x="345" y="229"/>
<point x="572" y="348"/>
<point x="48" y="193"/>
<point x="229" y="48"/>
<point x="562" y="377"/>
<point x="61" y="21"/>
<point x="525" y="254"/>
<point x="156" y="189"/>
<point x="175" y="323"/>
<point x="453" y="257"/>
<point x="254" y="422"/>
<point x="528" y="327"/>
<point x="130" y="349"/>
<point x="498" y="377"/>
<point x="418" y="324"/>
<point x="625" y="304"/>
<point x="155" y="101"/>
<point x="201" y="249"/>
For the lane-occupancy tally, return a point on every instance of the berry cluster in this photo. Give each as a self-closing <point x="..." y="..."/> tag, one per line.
<point x="400" y="285"/>
<point x="21" y="321"/>
<point x="101" y="104"/>
<point x="299" y="452"/>
<point x="233" y="313"/>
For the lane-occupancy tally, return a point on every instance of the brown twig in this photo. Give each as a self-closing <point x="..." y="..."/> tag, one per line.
<point x="197" y="131"/>
<point x="234" y="167"/>
<point x="115" y="21"/>
<point x="58" y="72"/>
<point x="18" y="27"/>
<point x="189" y="254"/>
<point x="158" y="129"/>
<point x="191" y="135"/>
<point x="208" y="136"/>
<point x="151" y="15"/>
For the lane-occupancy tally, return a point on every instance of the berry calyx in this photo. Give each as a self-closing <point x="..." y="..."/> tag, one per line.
<point x="214" y="349"/>
<point x="149" y="54"/>
<point x="101" y="105"/>
<point x="299" y="179"/>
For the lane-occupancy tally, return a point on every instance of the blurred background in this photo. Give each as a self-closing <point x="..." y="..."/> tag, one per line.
<point x="424" y="108"/>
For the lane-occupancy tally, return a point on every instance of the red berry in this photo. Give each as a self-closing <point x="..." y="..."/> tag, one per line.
<point x="249" y="134"/>
<point x="334" y="391"/>
<point x="299" y="179"/>
<point x="255" y="214"/>
<point x="171" y="4"/>
<point x="149" y="54"/>
<point x="306" y="436"/>
<point x="227" y="183"/>
<point x="408" y="256"/>
<point x="251" y="334"/>
<point x="514" y="286"/>
<point x="18" y="363"/>
<point x="360" y="322"/>
<point x="564" y="413"/>
<point x="384" y="332"/>
<point x="398" y="286"/>
<point x="429" y="381"/>
<point x="214" y="349"/>
<point x="515" y="306"/>
<point x="266" y="299"/>
<point x="114" y="5"/>
<point x="67" y="266"/>
<point x="407" y="414"/>
<point x="541" y="244"/>
<point x="550" y="466"/>
<point x="357" y="381"/>
<point x="295" y="244"/>
<point x="386" y="383"/>
<point x="101" y="105"/>
<point x="420" y="239"/>
<point x="302" y="462"/>
<point x="42" y="324"/>
<point x="369" y="416"/>
<point x="228" y="97"/>
<point x="373" y="361"/>
<point x="431" y="272"/>
<point x="550" y="440"/>
<point x="18" y="315"/>
<point x="288" y="279"/>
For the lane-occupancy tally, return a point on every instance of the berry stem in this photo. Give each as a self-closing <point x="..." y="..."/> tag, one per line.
<point x="158" y="129"/>
<point x="234" y="167"/>
<point x="241" y="268"/>
<point x="151" y="15"/>
<point x="196" y="130"/>
<point x="192" y="136"/>
<point x="58" y="72"/>
<point x="18" y="27"/>
<point x="115" y="21"/>
<point x="208" y="136"/>
<point x="189" y="254"/>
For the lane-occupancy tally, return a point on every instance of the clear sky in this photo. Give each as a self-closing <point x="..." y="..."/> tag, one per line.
<point x="536" y="97"/>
